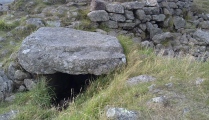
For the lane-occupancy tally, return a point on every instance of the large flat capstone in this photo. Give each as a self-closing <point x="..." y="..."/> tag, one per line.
<point x="51" y="50"/>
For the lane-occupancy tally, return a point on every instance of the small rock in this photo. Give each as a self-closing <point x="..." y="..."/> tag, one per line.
<point x="160" y="100"/>
<point x="8" y="116"/>
<point x="29" y="83"/>
<point x="20" y="75"/>
<point x="169" y="85"/>
<point x="35" y="21"/>
<point x="21" y="88"/>
<point x="151" y="87"/>
<point x="10" y="98"/>
<point x="121" y="114"/>
<point x="199" y="81"/>
<point x="101" y="31"/>
<point x="140" y="79"/>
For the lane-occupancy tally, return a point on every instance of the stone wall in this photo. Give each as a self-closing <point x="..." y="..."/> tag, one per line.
<point x="142" y="17"/>
<point x="167" y="25"/>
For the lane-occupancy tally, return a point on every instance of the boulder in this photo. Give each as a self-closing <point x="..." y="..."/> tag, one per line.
<point x="99" y="15"/>
<point x="51" y="50"/>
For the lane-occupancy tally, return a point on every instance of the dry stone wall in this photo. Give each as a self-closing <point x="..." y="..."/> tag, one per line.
<point x="141" y="16"/>
<point x="167" y="25"/>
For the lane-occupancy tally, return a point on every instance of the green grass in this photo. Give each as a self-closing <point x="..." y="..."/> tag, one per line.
<point x="201" y="6"/>
<point x="7" y="26"/>
<point x="34" y="104"/>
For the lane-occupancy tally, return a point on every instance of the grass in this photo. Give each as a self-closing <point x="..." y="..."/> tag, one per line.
<point x="111" y="90"/>
<point x="7" y="26"/>
<point x="201" y="6"/>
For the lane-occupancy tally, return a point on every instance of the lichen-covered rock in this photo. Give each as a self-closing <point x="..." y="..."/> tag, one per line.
<point x="99" y="15"/>
<point x="140" y="79"/>
<point x="51" y="50"/>
<point x="121" y="114"/>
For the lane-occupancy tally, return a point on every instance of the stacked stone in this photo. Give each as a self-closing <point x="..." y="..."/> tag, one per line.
<point x="137" y="16"/>
<point x="175" y="7"/>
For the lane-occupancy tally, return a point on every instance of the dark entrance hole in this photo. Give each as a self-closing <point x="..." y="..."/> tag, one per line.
<point x="67" y="87"/>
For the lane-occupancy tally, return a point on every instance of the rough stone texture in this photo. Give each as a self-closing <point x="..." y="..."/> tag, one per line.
<point x="8" y="116"/>
<point x="133" y="5"/>
<point x="6" y="85"/>
<point x="204" y="25"/>
<point x="165" y="37"/>
<point x="35" y="21"/>
<point x="99" y="15"/>
<point x="20" y="75"/>
<point x="117" y="17"/>
<point x="29" y="84"/>
<point x="115" y="8"/>
<point x="151" y="3"/>
<point x="111" y="24"/>
<point x="98" y="5"/>
<point x="140" y="14"/>
<point x="140" y="79"/>
<point x="129" y="14"/>
<point x="51" y="50"/>
<point x="179" y="22"/>
<point x="201" y="36"/>
<point x="158" y="18"/>
<point x="121" y="114"/>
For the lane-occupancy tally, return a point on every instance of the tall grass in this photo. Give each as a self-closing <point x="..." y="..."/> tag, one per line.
<point x="7" y="26"/>
<point x="201" y="6"/>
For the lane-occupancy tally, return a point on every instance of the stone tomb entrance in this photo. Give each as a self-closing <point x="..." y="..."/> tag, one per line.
<point x="66" y="87"/>
<point x="69" y="57"/>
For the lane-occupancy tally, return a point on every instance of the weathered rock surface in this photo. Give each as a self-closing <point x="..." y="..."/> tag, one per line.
<point x="201" y="36"/>
<point x="140" y="79"/>
<point x="51" y="50"/>
<point x="99" y="15"/>
<point x="121" y="114"/>
<point x="179" y="22"/>
<point x="6" y="85"/>
<point x="8" y="116"/>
